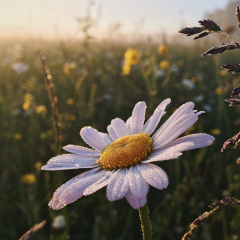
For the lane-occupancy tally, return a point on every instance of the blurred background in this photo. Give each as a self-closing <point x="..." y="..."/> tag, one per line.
<point x="103" y="57"/>
<point x="59" y="18"/>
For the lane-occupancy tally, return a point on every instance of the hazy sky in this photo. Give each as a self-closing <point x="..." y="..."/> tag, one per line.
<point x="58" y="17"/>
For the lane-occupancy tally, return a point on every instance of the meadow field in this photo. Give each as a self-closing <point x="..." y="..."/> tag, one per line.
<point x="93" y="86"/>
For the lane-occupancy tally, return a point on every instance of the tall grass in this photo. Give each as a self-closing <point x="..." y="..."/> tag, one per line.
<point x="91" y="90"/>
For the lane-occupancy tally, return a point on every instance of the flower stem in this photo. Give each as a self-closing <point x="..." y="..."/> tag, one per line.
<point x="145" y="222"/>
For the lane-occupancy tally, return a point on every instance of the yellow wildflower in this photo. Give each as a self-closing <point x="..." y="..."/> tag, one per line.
<point x="38" y="166"/>
<point x="17" y="136"/>
<point x="164" y="65"/>
<point x="26" y="105"/>
<point x="194" y="79"/>
<point x="29" y="178"/>
<point x="70" y="101"/>
<point x="45" y="135"/>
<point x="28" y="97"/>
<point x="49" y="133"/>
<point x="67" y="67"/>
<point x="219" y="90"/>
<point x="41" y="110"/>
<point x="126" y="69"/>
<point x="162" y="49"/>
<point x="215" y="131"/>
<point x="131" y="57"/>
<point x="71" y="117"/>
<point x="223" y="73"/>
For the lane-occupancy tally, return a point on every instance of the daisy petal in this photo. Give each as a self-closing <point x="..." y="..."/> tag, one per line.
<point x="182" y="110"/>
<point x="128" y="123"/>
<point x="189" y="142"/>
<point x="154" y="175"/>
<point x="106" y="138"/>
<point x="92" y="138"/>
<point x="154" y="120"/>
<point x="162" y="156"/>
<point x="102" y="182"/>
<point x="118" y="185"/>
<point x="136" y="203"/>
<point x="70" y="161"/>
<point x="138" y="117"/>
<point x="120" y="127"/>
<point x="112" y="133"/>
<point x="81" y="150"/>
<point x="175" y="148"/>
<point x="200" y="112"/>
<point x="174" y="130"/>
<point x="137" y="184"/>
<point x="72" y="190"/>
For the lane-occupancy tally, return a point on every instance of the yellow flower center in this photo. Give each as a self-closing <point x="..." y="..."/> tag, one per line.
<point x="126" y="151"/>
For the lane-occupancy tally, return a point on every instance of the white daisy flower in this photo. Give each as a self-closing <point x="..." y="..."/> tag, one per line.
<point x="123" y="159"/>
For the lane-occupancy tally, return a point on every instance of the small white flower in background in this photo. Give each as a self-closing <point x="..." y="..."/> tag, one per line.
<point x="199" y="98"/>
<point x="123" y="159"/>
<point x="20" y="67"/>
<point x="160" y="74"/>
<point x="59" y="222"/>
<point x="188" y="83"/>
<point x="207" y="108"/>
<point x="174" y="68"/>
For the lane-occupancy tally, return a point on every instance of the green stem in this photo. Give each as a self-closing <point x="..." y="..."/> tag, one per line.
<point x="145" y="222"/>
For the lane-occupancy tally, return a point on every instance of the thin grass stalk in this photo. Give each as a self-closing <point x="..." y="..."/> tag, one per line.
<point x="58" y="137"/>
<point x="53" y="101"/>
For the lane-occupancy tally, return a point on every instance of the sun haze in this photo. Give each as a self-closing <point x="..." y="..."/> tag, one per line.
<point x="58" y="17"/>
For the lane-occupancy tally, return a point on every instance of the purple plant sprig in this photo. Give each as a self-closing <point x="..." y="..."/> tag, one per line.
<point x="206" y="215"/>
<point x="207" y="27"/>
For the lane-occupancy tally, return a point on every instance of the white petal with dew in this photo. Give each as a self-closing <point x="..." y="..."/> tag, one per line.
<point x="70" y="161"/>
<point x="128" y="123"/>
<point x="118" y="185"/>
<point x="120" y="127"/>
<point x="174" y="130"/>
<point x="136" y="203"/>
<point x="162" y="156"/>
<point x="112" y="133"/>
<point x="154" y="120"/>
<point x="138" y="117"/>
<point x="154" y="175"/>
<point x="189" y="142"/>
<point x="106" y="138"/>
<point x="79" y="150"/>
<point x="72" y="189"/>
<point x="182" y="110"/>
<point x="102" y="182"/>
<point x="92" y="138"/>
<point x="81" y="186"/>
<point x="200" y="112"/>
<point x="137" y="184"/>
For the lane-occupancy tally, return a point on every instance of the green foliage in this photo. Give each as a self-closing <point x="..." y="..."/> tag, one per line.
<point x="91" y="90"/>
